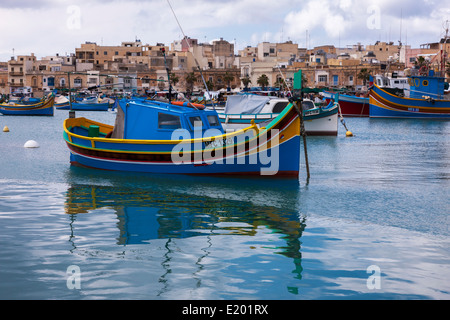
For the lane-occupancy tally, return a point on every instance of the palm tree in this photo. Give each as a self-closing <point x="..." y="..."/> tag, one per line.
<point x="191" y="78"/>
<point x="280" y="84"/>
<point x="228" y="78"/>
<point x="174" y="79"/>
<point x="420" y="62"/>
<point x="210" y="85"/>
<point x="246" y="81"/>
<point x="364" y="75"/>
<point x="263" y="81"/>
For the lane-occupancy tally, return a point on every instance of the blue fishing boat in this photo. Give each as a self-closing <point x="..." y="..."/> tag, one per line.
<point x="426" y="99"/>
<point x="87" y="106"/>
<point x="42" y="108"/>
<point x="157" y="137"/>
<point x="243" y="110"/>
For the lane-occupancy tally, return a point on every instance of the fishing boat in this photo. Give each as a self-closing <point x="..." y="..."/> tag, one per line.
<point x="61" y="102"/>
<point x="351" y="105"/>
<point x="426" y="99"/>
<point x="43" y="108"/>
<point x="241" y="110"/>
<point x="88" y="104"/>
<point x="158" y="137"/>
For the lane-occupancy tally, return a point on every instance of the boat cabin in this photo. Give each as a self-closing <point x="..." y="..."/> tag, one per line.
<point x="154" y="120"/>
<point x="429" y="85"/>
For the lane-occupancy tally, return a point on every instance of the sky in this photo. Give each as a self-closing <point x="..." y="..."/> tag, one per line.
<point x="47" y="27"/>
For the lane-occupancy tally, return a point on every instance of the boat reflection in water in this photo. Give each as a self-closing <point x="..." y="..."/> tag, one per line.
<point x="233" y="231"/>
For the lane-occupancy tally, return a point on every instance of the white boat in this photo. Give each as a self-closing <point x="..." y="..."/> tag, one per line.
<point x="241" y="110"/>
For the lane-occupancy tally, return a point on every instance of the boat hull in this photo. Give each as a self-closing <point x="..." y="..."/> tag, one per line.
<point x="318" y="122"/>
<point x="281" y="149"/>
<point x="386" y="105"/>
<point x="40" y="109"/>
<point x="351" y="106"/>
<point x="86" y="106"/>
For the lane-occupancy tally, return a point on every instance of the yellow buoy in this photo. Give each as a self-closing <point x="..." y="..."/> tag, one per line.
<point x="349" y="134"/>
<point x="6" y="129"/>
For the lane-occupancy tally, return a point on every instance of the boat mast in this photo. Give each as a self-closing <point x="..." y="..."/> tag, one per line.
<point x="163" y="50"/>
<point x="443" y="50"/>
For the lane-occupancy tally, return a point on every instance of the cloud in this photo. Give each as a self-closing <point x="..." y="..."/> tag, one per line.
<point x="46" y="27"/>
<point x="353" y="21"/>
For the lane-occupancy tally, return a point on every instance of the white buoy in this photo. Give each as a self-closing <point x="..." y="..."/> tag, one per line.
<point x="31" y="144"/>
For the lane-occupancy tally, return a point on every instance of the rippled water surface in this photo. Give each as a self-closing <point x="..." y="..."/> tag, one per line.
<point x="377" y="200"/>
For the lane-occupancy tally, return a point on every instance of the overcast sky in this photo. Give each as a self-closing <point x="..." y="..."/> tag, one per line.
<point x="47" y="27"/>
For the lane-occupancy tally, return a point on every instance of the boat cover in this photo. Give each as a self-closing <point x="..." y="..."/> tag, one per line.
<point x="245" y="104"/>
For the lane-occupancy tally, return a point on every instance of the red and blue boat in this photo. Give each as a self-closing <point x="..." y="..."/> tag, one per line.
<point x="350" y="105"/>
<point x="158" y="137"/>
<point x="426" y="99"/>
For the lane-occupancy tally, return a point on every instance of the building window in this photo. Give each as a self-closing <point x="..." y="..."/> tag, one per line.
<point x="323" y="78"/>
<point x="105" y="53"/>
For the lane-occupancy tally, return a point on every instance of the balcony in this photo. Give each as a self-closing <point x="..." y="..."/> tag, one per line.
<point x="16" y="74"/>
<point x="13" y="84"/>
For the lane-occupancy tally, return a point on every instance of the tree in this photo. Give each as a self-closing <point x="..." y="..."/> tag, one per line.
<point x="210" y="85"/>
<point x="191" y="78"/>
<point x="420" y="62"/>
<point x="174" y="79"/>
<point x="263" y="81"/>
<point x="246" y="81"/>
<point x="228" y="78"/>
<point x="280" y="84"/>
<point x="364" y="75"/>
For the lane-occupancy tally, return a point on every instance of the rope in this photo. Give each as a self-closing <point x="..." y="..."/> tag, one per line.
<point x="195" y="59"/>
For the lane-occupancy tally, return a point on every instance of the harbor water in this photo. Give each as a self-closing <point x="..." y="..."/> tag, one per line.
<point x="371" y="223"/>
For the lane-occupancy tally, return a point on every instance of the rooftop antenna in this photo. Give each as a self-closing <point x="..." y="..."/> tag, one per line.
<point x="196" y="62"/>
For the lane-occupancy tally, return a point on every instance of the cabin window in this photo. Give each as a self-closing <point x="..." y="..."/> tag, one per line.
<point x="279" y="107"/>
<point x="213" y="121"/>
<point x="306" y="105"/>
<point x="196" y="122"/>
<point x="168" y="121"/>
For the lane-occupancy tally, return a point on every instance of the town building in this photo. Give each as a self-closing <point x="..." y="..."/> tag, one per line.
<point x="133" y="66"/>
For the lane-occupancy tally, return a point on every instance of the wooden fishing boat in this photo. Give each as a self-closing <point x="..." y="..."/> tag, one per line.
<point x="351" y="106"/>
<point x="88" y="106"/>
<point x="157" y="137"/>
<point x="241" y="110"/>
<point x="43" y="108"/>
<point x="426" y="100"/>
